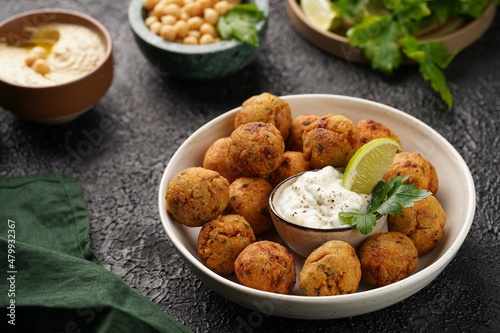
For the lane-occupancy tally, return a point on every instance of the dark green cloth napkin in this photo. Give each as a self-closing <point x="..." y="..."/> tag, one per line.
<point x="50" y="281"/>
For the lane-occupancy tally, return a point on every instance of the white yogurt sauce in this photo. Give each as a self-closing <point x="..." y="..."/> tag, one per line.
<point x="316" y="198"/>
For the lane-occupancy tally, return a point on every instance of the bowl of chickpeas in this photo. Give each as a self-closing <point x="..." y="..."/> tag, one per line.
<point x="180" y="37"/>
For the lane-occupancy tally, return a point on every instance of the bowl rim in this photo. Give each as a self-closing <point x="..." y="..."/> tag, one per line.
<point x="294" y="6"/>
<point x="108" y="43"/>
<point x="136" y="22"/>
<point x="412" y="284"/>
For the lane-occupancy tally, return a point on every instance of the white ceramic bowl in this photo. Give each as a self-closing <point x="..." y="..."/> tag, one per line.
<point x="456" y="195"/>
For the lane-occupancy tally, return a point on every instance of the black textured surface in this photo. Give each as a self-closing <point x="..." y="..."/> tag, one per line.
<point x="147" y="115"/>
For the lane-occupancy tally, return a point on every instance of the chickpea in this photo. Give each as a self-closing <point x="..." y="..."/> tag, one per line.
<point x="222" y="7"/>
<point x="149" y="4"/>
<point x="158" y="9"/>
<point x="172" y="9"/>
<point x="194" y="33"/>
<point x="207" y="28"/>
<point x="167" y="32"/>
<point x="155" y="27"/>
<point x="193" y="9"/>
<point x="205" y="4"/>
<point x="181" y="28"/>
<point x="207" y="39"/>
<point x="194" y="23"/>
<point x="184" y="16"/>
<point x="211" y="15"/>
<point x="190" y="40"/>
<point x="150" y="19"/>
<point x="41" y="67"/>
<point x="168" y="19"/>
<point x="30" y="59"/>
<point x="177" y="2"/>
<point x="39" y="52"/>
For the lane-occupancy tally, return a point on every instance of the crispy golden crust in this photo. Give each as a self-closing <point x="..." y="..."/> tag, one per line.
<point x="330" y="140"/>
<point x="421" y="171"/>
<point x="331" y="269"/>
<point x="370" y="130"/>
<point x="387" y="258"/>
<point x="423" y="223"/>
<point x="249" y="197"/>
<point x="299" y="123"/>
<point x="221" y="241"/>
<point x="266" y="108"/>
<point x="256" y="149"/>
<point x="196" y="196"/>
<point x="266" y="266"/>
<point x="293" y="163"/>
<point x="217" y="158"/>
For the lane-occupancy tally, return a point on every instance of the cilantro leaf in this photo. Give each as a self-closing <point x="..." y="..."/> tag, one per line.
<point x="239" y="22"/>
<point x="364" y="223"/>
<point x="387" y="198"/>
<point x="385" y="30"/>
<point x="377" y="36"/>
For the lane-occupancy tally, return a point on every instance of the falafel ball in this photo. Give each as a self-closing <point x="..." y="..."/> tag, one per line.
<point x="197" y="195"/>
<point x="217" y="158"/>
<point x="266" y="108"/>
<point x="331" y="269"/>
<point x="423" y="223"/>
<point x="266" y="266"/>
<point x="221" y="241"/>
<point x="249" y="197"/>
<point x="330" y="140"/>
<point x="387" y="258"/>
<point x="294" y="141"/>
<point x="421" y="171"/>
<point x="256" y="149"/>
<point x="370" y="130"/>
<point x="293" y="163"/>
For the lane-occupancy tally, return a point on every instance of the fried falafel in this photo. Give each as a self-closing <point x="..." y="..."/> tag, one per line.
<point x="197" y="195"/>
<point x="221" y="241"/>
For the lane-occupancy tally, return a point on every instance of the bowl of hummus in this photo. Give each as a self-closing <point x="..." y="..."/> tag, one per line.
<point x="55" y="64"/>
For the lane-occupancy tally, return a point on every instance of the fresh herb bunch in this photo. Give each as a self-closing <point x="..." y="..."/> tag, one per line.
<point x="387" y="198"/>
<point x="239" y="22"/>
<point x="386" y="30"/>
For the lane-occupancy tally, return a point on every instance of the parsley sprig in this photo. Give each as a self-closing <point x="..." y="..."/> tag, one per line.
<point x="386" y="31"/>
<point x="239" y="22"/>
<point x="387" y="198"/>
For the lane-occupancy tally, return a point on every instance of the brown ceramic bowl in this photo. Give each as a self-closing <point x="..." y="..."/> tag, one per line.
<point x="337" y="45"/>
<point x="303" y="240"/>
<point x="62" y="102"/>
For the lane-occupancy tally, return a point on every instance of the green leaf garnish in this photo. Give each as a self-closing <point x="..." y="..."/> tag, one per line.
<point x="387" y="198"/>
<point x="385" y="30"/>
<point x="239" y="22"/>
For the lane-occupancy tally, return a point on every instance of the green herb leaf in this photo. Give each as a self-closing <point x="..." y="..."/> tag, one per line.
<point x="387" y="198"/>
<point x="377" y="36"/>
<point x="238" y="22"/>
<point x="364" y="223"/>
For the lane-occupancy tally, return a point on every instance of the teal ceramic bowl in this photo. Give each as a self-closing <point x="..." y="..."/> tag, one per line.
<point x="194" y="62"/>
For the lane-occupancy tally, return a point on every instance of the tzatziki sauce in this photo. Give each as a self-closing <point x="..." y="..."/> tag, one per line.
<point x="316" y="198"/>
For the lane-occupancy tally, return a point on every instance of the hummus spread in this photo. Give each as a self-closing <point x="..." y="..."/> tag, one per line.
<point x="76" y="53"/>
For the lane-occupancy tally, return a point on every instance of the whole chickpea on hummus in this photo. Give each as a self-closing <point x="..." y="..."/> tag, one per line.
<point x="77" y="51"/>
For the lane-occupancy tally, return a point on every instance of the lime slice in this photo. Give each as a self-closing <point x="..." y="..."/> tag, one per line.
<point x="368" y="165"/>
<point x="320" y="12"/>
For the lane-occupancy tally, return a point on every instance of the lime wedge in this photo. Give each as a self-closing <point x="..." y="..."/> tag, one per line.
<point x="369" y="164"/>
<point x="320" y="13"/>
